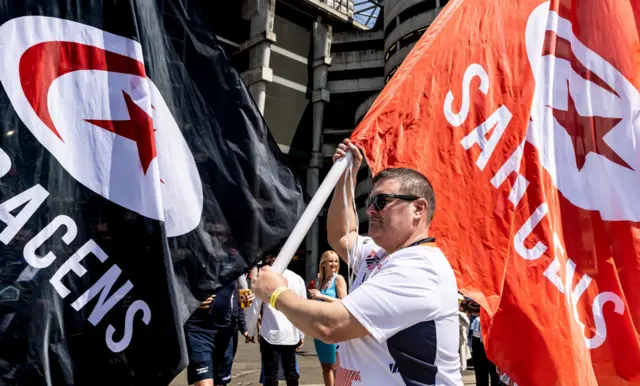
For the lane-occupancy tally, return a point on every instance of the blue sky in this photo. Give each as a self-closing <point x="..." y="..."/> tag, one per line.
<point x="366" y="11"/>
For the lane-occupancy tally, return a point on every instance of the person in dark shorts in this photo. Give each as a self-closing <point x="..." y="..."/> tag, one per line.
<point x="210" y="332"/>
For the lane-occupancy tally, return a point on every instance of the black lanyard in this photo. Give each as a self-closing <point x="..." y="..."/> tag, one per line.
<point x="422" y="241"/>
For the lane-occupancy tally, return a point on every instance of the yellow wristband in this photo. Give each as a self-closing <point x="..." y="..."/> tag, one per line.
<point x="275" y="295"/>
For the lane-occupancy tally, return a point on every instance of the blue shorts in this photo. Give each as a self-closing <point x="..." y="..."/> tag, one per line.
<point x="210" y="355"/>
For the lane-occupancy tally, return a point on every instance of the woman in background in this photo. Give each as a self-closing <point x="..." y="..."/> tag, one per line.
<point x="329" y="287"/>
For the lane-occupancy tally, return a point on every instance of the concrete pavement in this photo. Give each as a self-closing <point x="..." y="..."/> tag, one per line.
<point x="246" y="368"/>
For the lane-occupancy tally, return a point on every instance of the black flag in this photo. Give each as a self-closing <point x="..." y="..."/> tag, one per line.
<point x="136" y="177"/>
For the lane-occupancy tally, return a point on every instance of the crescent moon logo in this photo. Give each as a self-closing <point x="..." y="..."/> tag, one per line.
<point x="85" y="95"/>
<point x="43" y="63"/>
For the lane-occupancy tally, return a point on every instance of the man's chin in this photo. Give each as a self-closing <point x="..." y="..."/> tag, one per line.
<point x="375" y="232"/>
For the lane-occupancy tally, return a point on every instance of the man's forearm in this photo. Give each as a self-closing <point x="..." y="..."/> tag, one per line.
<point x="336" y="215"/>
<point x="314" y="318"/>
<point x="242" y="325"/>
<point x="326" y="298"/>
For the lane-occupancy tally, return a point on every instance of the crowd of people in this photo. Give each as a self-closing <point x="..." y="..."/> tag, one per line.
<point x="399" y="320"/>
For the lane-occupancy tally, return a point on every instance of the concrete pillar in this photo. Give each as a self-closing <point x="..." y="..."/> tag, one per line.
<point x="261" y="13"/>
<point x="322" y="35"/>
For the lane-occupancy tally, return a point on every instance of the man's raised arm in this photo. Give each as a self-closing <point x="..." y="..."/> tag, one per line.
<point x="337" y="235"/>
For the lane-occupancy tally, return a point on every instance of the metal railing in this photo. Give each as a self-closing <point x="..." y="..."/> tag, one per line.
<point x="343" y="6"/>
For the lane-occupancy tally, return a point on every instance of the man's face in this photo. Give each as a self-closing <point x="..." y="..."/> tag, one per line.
<point x="393" y="224"/>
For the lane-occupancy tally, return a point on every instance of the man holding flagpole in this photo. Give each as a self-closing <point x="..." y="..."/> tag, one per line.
<point x="399" y="324"/>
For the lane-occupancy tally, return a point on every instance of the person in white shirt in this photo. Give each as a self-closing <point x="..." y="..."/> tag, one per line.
<point x="279" y="339"/>
<point x="399" y="324"/>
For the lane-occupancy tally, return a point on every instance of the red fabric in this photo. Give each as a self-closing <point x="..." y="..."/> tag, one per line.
<point x="565" y="92"/>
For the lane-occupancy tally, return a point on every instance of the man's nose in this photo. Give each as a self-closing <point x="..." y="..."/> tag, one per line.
<point x="370" y="210"/>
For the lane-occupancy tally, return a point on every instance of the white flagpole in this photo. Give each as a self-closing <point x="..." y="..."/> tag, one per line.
<point x="300" y="230"/>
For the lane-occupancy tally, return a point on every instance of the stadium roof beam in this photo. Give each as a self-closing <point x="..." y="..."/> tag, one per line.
<point x="331" y="13"/>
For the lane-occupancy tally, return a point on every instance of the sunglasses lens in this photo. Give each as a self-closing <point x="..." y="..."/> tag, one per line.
<point x="379" y="202"/>
<point x="371" y="200"/>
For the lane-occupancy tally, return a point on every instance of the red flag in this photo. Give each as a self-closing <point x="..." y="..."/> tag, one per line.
<point x="525" y="115"/>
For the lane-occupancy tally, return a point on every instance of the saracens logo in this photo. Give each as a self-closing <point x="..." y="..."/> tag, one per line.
<point x="585" y="118"/>
<point x="85" y="96"/>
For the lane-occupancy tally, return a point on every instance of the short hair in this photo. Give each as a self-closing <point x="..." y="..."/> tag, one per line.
<point x="413" y="183"/>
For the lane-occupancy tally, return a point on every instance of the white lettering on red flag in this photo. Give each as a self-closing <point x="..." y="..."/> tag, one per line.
<point x="525" y="116"/>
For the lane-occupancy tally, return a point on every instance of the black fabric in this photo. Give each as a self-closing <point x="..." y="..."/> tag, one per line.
<point x="270" y="354"/>
<point x="414" y="349"/>
<point x="153" y="281"/>
<point x="482" y="366"/>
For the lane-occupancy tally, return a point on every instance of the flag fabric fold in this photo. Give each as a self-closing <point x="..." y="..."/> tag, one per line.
<point x="137" y="177"/>
<point x="524" y="116"/>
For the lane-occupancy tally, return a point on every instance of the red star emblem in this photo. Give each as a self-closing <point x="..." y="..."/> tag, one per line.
<point x="586" y="132"/>
<point x="138" y="128"/>
<point x="345" y="377"/>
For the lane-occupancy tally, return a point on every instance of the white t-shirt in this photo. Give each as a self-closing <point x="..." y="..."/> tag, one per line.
<point x="276" y="328"/>
<point x="408" y="303"/>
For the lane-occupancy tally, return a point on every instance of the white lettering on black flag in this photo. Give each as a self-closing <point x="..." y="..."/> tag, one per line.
<point x="128" y="188"/>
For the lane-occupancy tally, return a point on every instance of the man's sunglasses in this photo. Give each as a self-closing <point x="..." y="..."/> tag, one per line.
<point x="379" y="201"/>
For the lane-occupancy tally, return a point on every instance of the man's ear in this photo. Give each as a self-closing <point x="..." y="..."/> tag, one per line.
<point x="421" y="206"/>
